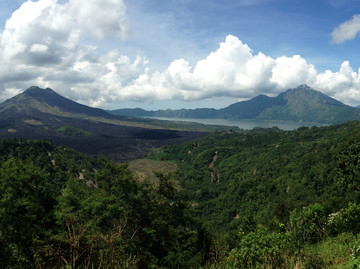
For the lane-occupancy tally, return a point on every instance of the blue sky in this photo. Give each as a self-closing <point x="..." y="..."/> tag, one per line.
<point x="185" y="53"/>
<point x="274" y="27"/>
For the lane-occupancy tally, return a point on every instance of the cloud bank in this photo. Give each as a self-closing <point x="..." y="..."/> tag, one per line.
<point x="46" y="43"/>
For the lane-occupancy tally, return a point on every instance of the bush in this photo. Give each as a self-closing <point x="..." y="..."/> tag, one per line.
<point x="346" y="220"/>
<point x="258" y="249"/>
<point x="307" y="225"/>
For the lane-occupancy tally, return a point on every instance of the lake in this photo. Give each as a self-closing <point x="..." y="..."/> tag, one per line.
<point x="248" y="124"/>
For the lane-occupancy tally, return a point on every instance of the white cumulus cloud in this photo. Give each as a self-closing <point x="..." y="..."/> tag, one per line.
<point x="292" y="71"/>
<point x="45" y="43"/>
<point x="101" y="18"/>
<point x="347" y="30"/>
<point x="234" y="71"/>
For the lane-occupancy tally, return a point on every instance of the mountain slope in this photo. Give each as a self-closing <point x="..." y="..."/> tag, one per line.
<point x="43" y="114"/>
<point x="250" y="109"/>
<point x="299" y="104"/>
<point x="48" y="101"/>
<point x="305" y="104"/>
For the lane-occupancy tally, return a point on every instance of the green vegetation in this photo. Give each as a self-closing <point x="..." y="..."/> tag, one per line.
<point x="72" y="131"/>
<point x="279" y="197"/>
<point x="249" y="199"/>
<point x="61" y="209"/>
<point x="144" y="169"/>
<point x="34" y="122"/>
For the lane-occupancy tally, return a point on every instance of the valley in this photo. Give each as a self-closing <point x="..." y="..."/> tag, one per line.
<point x="274" y="198"/>
<point x="139" y="134"/>
<point x="40" y="113"/>
<point x="80" y="186"/>
<point x="117" y="142"/>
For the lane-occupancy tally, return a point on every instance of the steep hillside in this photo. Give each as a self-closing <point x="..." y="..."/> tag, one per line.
<point x="250" y="109"/>
<point x="226" y="174"/>
<point x="305" y="104"/>
<point x="281" y="199"/>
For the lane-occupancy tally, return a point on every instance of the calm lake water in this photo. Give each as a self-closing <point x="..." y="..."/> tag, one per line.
<point x="248" y="124"/>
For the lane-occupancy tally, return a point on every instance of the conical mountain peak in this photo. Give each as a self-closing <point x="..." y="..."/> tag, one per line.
<point x="304" y="87"/>
<point x="48" y="101"/>
<point x="36" y="91"/>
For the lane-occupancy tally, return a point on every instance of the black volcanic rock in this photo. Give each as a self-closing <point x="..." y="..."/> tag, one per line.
<point x="39" y="114"/>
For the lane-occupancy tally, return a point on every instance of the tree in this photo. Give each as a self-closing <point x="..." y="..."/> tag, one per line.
<point x="26" y="205"/>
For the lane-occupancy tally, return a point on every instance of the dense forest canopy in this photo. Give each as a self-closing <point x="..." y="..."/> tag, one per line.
<point x="240" y="182"/>
<point x="264" y="198"/>
<point x="266" y="172"/>
<point x="60" y="208"/>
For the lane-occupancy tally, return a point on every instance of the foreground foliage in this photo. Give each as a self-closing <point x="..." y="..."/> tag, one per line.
<point x="59" y="208"/>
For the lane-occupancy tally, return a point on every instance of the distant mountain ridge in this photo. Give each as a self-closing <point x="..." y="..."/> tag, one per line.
<point x="298" y="104"/>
